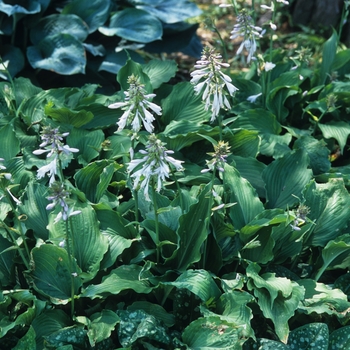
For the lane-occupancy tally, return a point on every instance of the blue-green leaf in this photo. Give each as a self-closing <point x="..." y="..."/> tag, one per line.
<point x="337" y="130"/>
<point x="312" y="336"/>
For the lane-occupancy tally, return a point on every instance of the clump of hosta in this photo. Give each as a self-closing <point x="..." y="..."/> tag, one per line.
<point x="214" y="85"/>
<point x="155" y="166"/>
<point x="248" y="31"/>
<point x="136" y="106"/>
<point x="52" y="145"/>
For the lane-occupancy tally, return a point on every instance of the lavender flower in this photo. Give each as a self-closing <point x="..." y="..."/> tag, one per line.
<point x="154" y="166"/>
<point x="52" y="145"/>
<point x="136" y="107"/>
<point x="59" y="196"/>
<point x="217" y="85"/>
<point x="245" y="28"/>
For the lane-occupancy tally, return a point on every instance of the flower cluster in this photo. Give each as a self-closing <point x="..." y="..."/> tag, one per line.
<point x="208" y="75"/>
<point x="154" y="167"/>
<point x="136" y="107"/>
<point x="59" y="196"/>
<point x="245" y="28"/>
<point x="301" y="217"/>
<point x="53" y="146"/>
<point x="221" y="152"/>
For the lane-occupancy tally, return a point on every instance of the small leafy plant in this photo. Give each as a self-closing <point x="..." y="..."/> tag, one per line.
<point x="207" y="214"/>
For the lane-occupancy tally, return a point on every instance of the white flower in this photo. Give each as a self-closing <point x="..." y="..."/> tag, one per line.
<point x="273" y="26"/>
<point x="216" y="84"/>
<point x="50" y="169"/>
<point x="136" y="107"/>
<point x="269" y="66"/>
<point x="154" y="166"/>
<point x="283" y="2"/>
<point x="253" y="98"/>
<point x="246" y="29"/>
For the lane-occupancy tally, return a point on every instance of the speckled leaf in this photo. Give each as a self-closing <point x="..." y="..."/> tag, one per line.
<point x="340" y="339"/>
<point x="27" y="342"/>
<point x="312" y="336"/>
<point x="343" y="283"/>
<point x="210" y="333"/>
<point x="74" y="335"/>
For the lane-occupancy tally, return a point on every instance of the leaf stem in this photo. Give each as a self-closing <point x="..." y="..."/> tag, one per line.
<point x="155" y="206"/>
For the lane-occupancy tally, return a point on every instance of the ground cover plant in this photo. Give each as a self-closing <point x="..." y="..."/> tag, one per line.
<point x="207" y="214"/>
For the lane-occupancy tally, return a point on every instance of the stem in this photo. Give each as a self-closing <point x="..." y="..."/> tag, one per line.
<point x="70" y="260"/>
<point x="155" y="206"/>
<point x="178" y="190"/>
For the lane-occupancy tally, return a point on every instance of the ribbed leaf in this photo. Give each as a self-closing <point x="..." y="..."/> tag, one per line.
<point x="9" y="144"/>
<point x="238" y="190"/>
<point x="337" y="130"/>
<point x="328" y="56"/>
<point x="286" y="178"/>
<point x="327" y="203"/>
<point x="245" y="143"/>
<point x="160" y="72"/>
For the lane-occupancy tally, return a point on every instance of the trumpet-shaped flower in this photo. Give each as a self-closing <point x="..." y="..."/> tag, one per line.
<point x="154" y="167"/>
<point x="136" y="107"/>
<point x="246" y="29"/>
<point x="216" y="85"/>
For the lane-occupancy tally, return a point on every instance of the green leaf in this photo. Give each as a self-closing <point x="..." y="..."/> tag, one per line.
<point x="326" y="203"/>
<point x="192" y="232"/>
<point x="339" y="339"/>
<point x="160" y="72"/>
<point x="311" y="336"/>
<point x="286" y="178"/>
<point x="134" y="25"/>
<point x="67" y="116"/>
<point x="335" y="255"/>
<point x="317" y="152"/>
<point x="86" y="239"/>
<point x="33" y="206"/>
<point x="75" y="336"/>
<point x="60" y="53"/>
<point x="238" y="190"/>
<point x="94" y="15"/>
<point x="101" y="326"/>
<point x="328" y="56"/>
<point x="199" y="282"/>
<point x="95" y="178"/>
<point x="135" y="325"/>
<point x="337" y="130"/>
<point x="6" y="261"/>
<point x="245" y="143"/>
<point x="210" y="333"/>
<point x="87" y="142"/>
<point x="9" y="144"/>
<point x="265" y="344"/>
<point x="123" y="278"/>
<point x="51" y="275"/>
<point x="27" y="342"/>
<point x="278" y="298"/>
<point x="183" y="104"/>
<point x="14" y="59"/>
<point x="56" y="24"/>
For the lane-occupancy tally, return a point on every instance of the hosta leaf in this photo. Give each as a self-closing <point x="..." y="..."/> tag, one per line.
<point x="33" y="206"/>
<point x="73" y="336"/>
<point x="51" y="274"/>
<point x="182" y="104"/>
<point x="87" y="142"/>
<point x="94" y="179"/>
<point x="269" y="129"/>
<point x="238" y="190"/>
<point x="138" y="324"/>
<point x="9" y="144"/>
<point x="312" y="336"/>
<point x="192" y="232"/>
<point x="123" y="278"/>
<point x="339" y="339"/>
<point x="58" y="23"/>
<point x="6" y="261"/>
<point x="199" y="282"/>
<point x="335" y="254"/>
<point x="12" y="57"/>
<point x="286" y="178"/>
<point x="245" y="143"/>
<point x="101" y="326"/>
<point x="170" y="11"/>
<point x="28" y="341"/>
<point x="343" y="283"/>
<point x="337" y="130"/>
<point x="251" y="169"/>
<point x="278" y="298"/>
<point x="326" y="203"/>
<point x="60" y="53"/>
<point x="210" y="333"/>
<point x="329" y="52"/>
<point x="86" y="239"/>
<point x="27" y="8"/>
<point x="94" y="15"/>
<point x="160" y="72"/>
<point x="134" y="25"/>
